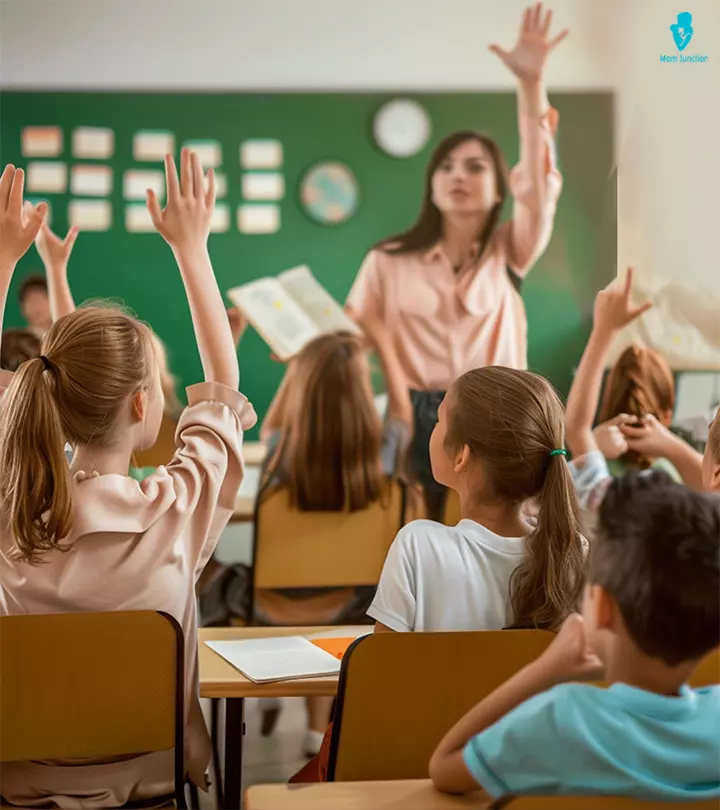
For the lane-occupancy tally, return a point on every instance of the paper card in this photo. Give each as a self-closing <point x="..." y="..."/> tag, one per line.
<point x="153" y="145"/>
<point x="209" y="152"/>
<point x="261" y="154"/>
<point x="221" y="218"/>
<point x="93" y="181"/>
<point x="263" y="186"/>
<point x="47" y="177"/>
<point x="93" y="142"/>
<point x="41" y="142"/>
<point x="258" y="219"/>
<point x="137" y="219"/>
<point x="136" y="182"/>
<point x="90" y="215"/>
<point x="220" y="185"/>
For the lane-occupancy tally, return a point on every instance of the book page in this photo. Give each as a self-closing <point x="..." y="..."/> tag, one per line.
<point x="277" y="659"/>
<point x="280" y="321"/>
<point x="317" y="302"/>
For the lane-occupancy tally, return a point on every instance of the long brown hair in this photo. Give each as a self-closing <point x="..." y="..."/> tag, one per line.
<point x="332" y="433"/>
<point x="511" y="421"/>
<point x="427" y="230"/>
<point x="95" y="358"/>
<point x="640" y="383"/>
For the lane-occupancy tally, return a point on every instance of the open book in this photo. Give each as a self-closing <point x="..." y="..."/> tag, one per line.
<point x="291" y="310"/>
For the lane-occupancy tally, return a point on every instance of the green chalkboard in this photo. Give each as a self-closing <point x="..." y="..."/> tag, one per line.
<point x="139" y="269"/>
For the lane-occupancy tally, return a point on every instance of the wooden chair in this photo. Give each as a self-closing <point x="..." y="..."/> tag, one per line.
<point x="393" y="682"/>
<point x="162" y="451"/>
<point x="596" y="803"/>
<point x="294" y="549"/>
<point x="452" y="508"/>
<point x="101" y="685"/>
<point x="707" y="672"/>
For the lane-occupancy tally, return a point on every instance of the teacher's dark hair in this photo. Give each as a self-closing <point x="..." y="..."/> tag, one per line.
<point x="427" y="231"/>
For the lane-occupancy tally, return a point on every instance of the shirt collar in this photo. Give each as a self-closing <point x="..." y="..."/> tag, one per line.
<point x="437" y="253"/>
<point x="650" y="703"/>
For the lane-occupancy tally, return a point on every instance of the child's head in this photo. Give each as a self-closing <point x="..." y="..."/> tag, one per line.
<point x="332" y="429"/>
<point x="18" y="345"/>
<point x="711" y="459"/>
<point x="492" y="444"/>
<point x="95" y="385"/>
<point x="640" y="383"/>
<point x="34" y="302"/>
<point x="654" y="572"/>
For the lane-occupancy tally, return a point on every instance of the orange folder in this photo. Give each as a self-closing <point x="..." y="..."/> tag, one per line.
<point x="335" y="646"/>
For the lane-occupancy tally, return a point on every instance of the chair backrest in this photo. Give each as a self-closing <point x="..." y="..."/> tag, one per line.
<point x="101" y="685"/>
<point x="707" y="672"/>
<point x="163" y="449"/>
<point x="452" y="508"/>
<point x="596" y="803"/>
<point x="399" y="693"/>
<point x="295" y="549"/>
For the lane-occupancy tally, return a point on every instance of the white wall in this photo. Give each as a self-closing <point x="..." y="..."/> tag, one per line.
<point x="668" y="116"/>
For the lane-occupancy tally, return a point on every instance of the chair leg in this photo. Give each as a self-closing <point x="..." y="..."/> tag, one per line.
<point x="194" y="797"/>
<point x="214" y="731"/>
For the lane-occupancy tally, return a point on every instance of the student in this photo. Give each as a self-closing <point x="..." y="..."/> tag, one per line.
<point x="88" y="537"/>
<point x="499" y="444"/>
<point x="590" y="468"/>
<point x="18" y="345"/>
<point x="34" y="303"/>
<point x="332" y="451"/>
<point x="651" y="612"/>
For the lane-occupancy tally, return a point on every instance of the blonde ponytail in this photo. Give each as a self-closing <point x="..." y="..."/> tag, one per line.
<point x="35" y="480"/>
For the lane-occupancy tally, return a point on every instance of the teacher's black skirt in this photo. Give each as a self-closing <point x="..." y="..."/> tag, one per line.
<point x="425" y="409"/>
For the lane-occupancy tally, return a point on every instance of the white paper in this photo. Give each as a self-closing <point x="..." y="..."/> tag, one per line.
<point x="220" y="185"/>
<point x="48" y="177"/>
<point x="697" y="394"/>
<point x="263" y="186"/>
<point x="277" y="659"/>
<point x="255" y="219"/>
<point x="220" y="221"/>
<point x="137" y="181"/>
<point x="357" y="631"/>
<point x="41" y="142"/>
<point x="93" y="142"/>
<point x="316" y="301"/>
<point x="153" y="145"/>
<point x="90" y="215"/>
<point x="209" y="152"/>
<point x="281" y="322"/>
<point x="261" y="154"/>
<point x="138" y="219"/>
<point x="95" y="181"/>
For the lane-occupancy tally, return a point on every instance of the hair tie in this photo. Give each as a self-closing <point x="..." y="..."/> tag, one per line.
<point x="48" y="365"/>
<point x="560" y="451"/>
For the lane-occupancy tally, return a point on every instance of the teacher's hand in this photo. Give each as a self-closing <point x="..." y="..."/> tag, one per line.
<point x="527" y="59"/>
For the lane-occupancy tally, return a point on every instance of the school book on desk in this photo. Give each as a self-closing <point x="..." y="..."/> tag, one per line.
<point x="290" y="310"/>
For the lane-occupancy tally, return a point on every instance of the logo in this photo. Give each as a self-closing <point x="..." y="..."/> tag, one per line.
<point x="682" y="30"/>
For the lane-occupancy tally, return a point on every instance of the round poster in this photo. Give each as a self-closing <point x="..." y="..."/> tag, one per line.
<point x="329" y="193"/>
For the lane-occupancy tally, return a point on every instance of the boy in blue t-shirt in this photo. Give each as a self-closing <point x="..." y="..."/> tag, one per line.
<point x="651" y="612"/>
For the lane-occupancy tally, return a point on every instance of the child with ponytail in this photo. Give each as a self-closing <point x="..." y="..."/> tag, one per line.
<point x="88" y="537"/>
<point x="499" y="443"/>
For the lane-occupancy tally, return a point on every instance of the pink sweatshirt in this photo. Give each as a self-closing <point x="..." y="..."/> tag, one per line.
<point x="137" y="547"/>
<point x="446" y="323"/>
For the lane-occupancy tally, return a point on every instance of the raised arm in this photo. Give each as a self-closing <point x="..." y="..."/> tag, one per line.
<point x="55" y="255"/>
<point x="535" y="182"/>
<point x="613" y="311"/>
<point x="184" y="223"/>
<point x="18" y="229"/>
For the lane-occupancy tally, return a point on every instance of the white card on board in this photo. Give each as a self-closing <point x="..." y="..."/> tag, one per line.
<point x="220" y="221"/>
<point x="257" y="153"/>
<point x="47" y="177"/>
<point x="41" y="142"/>
<point x="136" y="182"/>
<point x="90" y="215"/>
<point x="138" y="219"/>
<point x="209" y="152"/>
<point x="263" y="186"/>
<point x="93" y="143"/>
<point x="256" y="219"/>
<point x="153" y="145"/>
<point x="93" y="181"/>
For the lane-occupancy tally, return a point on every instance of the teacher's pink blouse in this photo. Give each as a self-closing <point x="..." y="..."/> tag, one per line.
<point x="446" y="323"/>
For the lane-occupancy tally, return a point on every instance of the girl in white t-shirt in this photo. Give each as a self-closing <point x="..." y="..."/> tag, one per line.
<point x="499" y="444"/>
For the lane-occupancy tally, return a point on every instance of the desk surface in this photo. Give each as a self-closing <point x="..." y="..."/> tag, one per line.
<point x="254" y="452"/>
<point x="416" y="794"/>
<point x="218" y="679"/>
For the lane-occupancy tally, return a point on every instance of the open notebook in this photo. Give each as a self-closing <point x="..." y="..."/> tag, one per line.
<point x="291" y="310"/>
<point x="289" y="657"/>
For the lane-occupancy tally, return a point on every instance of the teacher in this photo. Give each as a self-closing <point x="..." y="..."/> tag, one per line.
<point x="448" y="288"/>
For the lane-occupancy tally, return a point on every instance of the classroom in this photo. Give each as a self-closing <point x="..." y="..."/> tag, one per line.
<point x="360" y="384"/>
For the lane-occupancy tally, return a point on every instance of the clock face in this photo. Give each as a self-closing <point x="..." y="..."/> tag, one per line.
<point x="329" y="193"/>
<point x="402" y="128"/>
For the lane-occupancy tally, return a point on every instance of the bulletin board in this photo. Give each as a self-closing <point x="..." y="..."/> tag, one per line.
<point x="138" y="268"/>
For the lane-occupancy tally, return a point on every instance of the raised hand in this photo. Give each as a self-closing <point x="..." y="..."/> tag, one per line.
<point x="54" y="251"/>
<point x="613" y="308"/>
<point x="527" y="59"/>
<point x="651" y="437"/>
<point x="569" y="657"/>
<point x="184" y="223"/>
<point x="609" y="436"/>
<point x="17" y="230"/>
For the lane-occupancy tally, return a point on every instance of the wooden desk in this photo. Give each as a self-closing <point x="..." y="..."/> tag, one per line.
<point x="415" y="794"/>
<point x="254" y="453"/>
<point x="218" y="679"/>
<point x="244" y="510"/>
